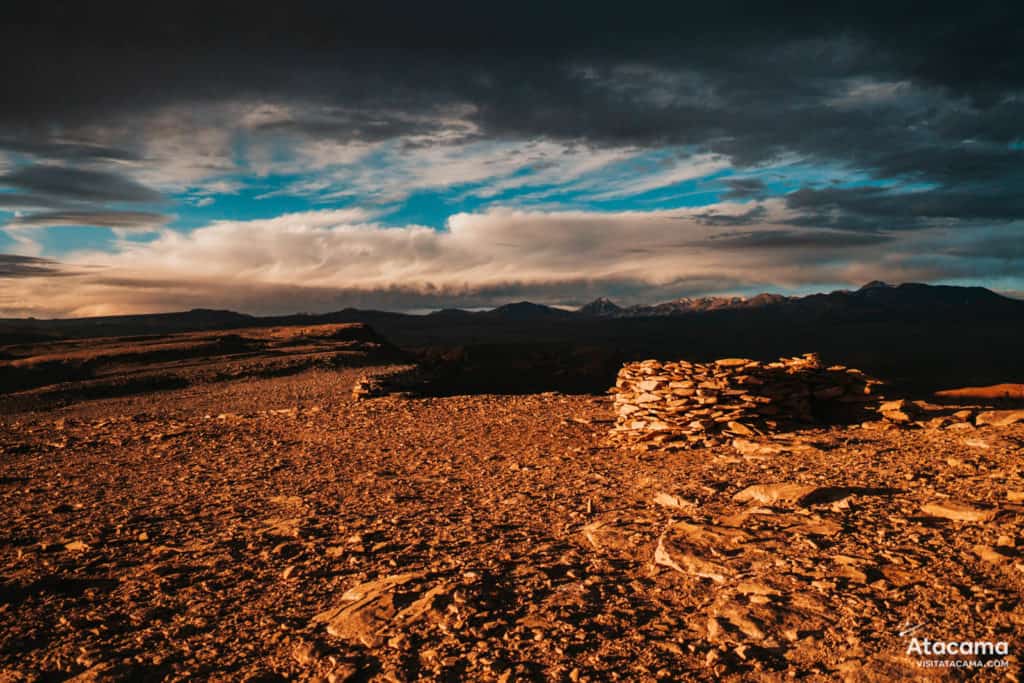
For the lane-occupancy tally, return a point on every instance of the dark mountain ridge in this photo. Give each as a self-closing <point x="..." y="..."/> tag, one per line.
<point x="912" y="334"/>
<point x="877" y="297"/>
<point x="875" y="300"/>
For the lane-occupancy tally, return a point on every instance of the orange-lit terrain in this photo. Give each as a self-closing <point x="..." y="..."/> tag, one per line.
<point x="245" y="518"/>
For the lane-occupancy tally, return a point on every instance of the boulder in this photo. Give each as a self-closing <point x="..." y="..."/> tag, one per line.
<point x="999" y="418"/>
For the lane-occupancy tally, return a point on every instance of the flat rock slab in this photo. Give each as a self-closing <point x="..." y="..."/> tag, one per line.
<point x="958" y="511"/>
<point x="674" y="502"/>
<point x="999" y="556"/>
<point x="765" y="449"/>
<point x="370" y="609"/>
<point x="705" y="550"/>
<point x="755" y="449"/>
<point x="792" y="494"/>
<point x="622" y="538"/>
<point x="776" y="622"/>
<point x="999" y="418"/>
<point x="732" y="362"/>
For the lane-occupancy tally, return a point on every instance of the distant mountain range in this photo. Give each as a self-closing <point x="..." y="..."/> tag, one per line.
<point x="606" y="307"/>
<point x="875" y="299"/>
<point x="922" y="335"/>
<point x="875" y="295"/>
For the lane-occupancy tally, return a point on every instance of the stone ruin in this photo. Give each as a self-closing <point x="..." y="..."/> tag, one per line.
<point x="401" y="380"/>
<point x="679" y="404"/>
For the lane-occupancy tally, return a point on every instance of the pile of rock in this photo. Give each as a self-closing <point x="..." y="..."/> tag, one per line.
<point x="689" y="405"/>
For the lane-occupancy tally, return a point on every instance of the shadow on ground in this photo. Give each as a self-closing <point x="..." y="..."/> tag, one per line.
<point x="518" y="369"/>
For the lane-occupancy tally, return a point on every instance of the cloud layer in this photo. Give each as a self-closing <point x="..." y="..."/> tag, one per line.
<point x="938" y="97"/>
<point x="316" y="154"/>
<point x="326" y="260"/>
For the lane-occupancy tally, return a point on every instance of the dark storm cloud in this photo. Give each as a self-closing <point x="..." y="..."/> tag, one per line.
<point x="55" y="195"/>
<point x="1003" y="246"/>
<point x="37" y="143"/>
<point x="743" y="188"/>
<point x="78" y="184"/>
<point x="868" y="208"/>
<point x="66" y="52"/>
<point x="754" y="215"/>
<point x="19" y="200"/>
<point x="787" y="239"/>
<point x="336" y="123"/>
<point x="897" y="90"/>
<point x="101" y="218"/>
<point x="14" y="266"/>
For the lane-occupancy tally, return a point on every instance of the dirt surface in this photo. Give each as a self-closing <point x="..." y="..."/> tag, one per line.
<point x="43" y="375"/>
<point x="274" y="528"/>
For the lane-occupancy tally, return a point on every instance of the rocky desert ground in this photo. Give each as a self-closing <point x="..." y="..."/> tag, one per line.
<point x="252" y="520"/>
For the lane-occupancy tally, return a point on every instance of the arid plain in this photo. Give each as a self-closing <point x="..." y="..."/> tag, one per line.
<point x="218" y="505"/>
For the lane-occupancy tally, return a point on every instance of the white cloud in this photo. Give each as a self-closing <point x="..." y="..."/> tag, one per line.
<point x="222" y="186"/>
<point x="560" y="171"/>
<point x="325" y="260"/>
<point x="399" y="169"/>
<point x="654" y="87"/>
<point x="687" y="168"/>
<point x="24" y="241"/>
<point x="221" y="149"/>
<point x="915" y="101"/>
<point x="178" y="147"/>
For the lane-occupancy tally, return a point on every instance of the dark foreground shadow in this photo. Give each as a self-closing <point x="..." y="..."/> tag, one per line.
<point x="517" y="369"/>
<point x="831" y="494"/>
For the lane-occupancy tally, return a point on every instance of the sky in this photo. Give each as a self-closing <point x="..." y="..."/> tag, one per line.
<point x="311" y="157"/>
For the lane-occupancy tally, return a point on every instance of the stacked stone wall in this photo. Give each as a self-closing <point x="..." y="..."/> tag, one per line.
<point x="399" y="380"/>
<point x="686" y="404"/>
